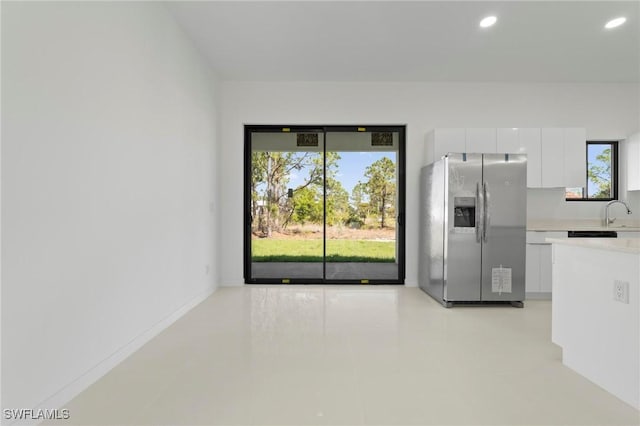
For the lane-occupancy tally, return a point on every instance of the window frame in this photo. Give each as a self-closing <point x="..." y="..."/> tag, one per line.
<point x="614" y="172"/>
<point x="249" y="129"/>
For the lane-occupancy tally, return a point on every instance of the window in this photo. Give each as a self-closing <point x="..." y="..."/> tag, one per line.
<point x="601" y="180"/>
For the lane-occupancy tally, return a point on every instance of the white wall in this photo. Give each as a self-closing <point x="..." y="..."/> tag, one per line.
<point x="108" y="181"/>
<point x="608" y="111"/>
<point x="551" y="204"/>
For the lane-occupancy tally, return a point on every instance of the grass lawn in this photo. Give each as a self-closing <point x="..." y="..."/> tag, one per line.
<point x="270" y="250"/>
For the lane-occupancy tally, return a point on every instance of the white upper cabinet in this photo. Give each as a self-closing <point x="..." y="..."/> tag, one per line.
<point x="552" y="156"/>
<point x="508" y="141"/>
<point x="530" y="141"/>
<point x="556" y="157"/>
<point x="523" y="141"/>
<point x="481" y="141"/>
<point x="633" y="162"/>
<point x="575" y="157"/>
<point x="442" y="141"/>
<point x="564" y="157"/>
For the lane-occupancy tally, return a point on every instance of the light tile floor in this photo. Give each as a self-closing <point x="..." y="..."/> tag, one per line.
<point x="298" y="355"/>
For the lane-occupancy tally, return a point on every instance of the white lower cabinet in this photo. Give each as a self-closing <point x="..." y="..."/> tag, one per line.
<point x="532" y="271"/>
<point x="538" y="270"/>
<point x="545" y="268"/>
<point x="538" y="266"/>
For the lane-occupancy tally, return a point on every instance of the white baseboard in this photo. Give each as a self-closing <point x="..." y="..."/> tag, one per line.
<point x="71" y="390"/>
<point x="409" y="283"/>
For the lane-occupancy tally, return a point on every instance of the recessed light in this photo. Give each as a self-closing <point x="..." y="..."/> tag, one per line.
<point x="615" y="22"/>
<point x="488" y="21"/>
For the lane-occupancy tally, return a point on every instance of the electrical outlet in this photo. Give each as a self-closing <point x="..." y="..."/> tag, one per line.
<point x="621" y="291"/>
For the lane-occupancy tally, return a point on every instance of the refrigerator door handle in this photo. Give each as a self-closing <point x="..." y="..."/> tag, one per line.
<point x="479" y="213"/>
<point x="486" y="212"/>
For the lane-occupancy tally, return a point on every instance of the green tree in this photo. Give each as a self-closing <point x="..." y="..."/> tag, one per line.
<point x="272" y="206"/>
<point x="359" y="203"/>
<point x="381" y="187"/>
<point x="600" y="174"/>
<point x="337" y="202"/>
<point x="271" y="173"/>
<point x="307" y="206"/>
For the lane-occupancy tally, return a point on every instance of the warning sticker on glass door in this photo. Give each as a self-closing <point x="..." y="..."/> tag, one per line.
<point x="501" y="280"/>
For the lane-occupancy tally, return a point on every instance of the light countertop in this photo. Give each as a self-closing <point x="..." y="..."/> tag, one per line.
<point x="582" y="225"/>
<point x="626" y="245"/>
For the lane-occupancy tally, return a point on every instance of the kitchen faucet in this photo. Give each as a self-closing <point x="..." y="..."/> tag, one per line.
<point x="607" y="220"/>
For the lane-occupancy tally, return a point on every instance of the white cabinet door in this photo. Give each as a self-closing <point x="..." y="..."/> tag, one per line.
<point x="523" y="141"/>
<point x="546" y="268"/>
<point x="530" y="141"/>
<point x="538" y="273"/>
<point x="507" y="141"/>
<point x="575" y="157"/>
<point x="532" y="269"/>
<point x="481" y="140"/>
<point x="448" y="140"/>
<point x="552" y="156"/>
<point x="633" y="162"/>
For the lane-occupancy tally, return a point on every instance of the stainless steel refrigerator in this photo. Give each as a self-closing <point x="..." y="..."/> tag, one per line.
<point x="473" y="228"/>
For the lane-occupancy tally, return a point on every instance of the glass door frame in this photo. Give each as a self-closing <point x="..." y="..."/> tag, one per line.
<point x="324" y="129"/>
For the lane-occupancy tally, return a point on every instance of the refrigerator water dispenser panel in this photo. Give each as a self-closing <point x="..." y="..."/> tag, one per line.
<point x="464" y="213"/>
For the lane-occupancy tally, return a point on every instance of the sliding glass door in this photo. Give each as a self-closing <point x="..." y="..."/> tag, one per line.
<point x="324" y="204"/>
<point x="285" y="204"/>
<point x="362" y="208"/>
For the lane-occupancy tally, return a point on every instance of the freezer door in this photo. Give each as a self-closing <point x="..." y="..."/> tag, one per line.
<point x="463" y="207"/>
<point x="504" y="234"/>
<point x="431" y="257"/>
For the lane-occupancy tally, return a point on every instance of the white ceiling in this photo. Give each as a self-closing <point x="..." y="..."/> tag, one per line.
<point x="543" y="41"/>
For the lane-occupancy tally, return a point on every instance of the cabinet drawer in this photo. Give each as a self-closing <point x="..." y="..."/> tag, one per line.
<point x="539" y="237"/>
